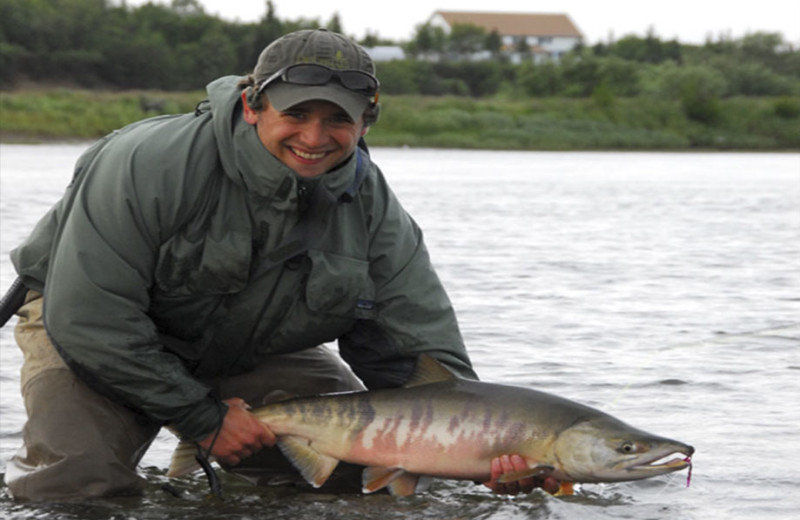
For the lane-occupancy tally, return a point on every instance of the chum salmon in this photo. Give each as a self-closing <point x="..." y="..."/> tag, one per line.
<point x="440" y="425"/>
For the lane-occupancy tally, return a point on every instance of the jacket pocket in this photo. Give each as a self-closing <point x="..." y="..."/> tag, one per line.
<point x="208" y="266"/>
<point x="340" y="285"/>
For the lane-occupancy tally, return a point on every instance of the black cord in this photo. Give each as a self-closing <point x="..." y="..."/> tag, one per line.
<point x="202" y="458"/>
<point x="213" y="479"/>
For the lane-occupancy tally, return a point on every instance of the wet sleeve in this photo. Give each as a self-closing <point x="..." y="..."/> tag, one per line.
<point x="96" y="296"/>
<point x="413" y="315"/>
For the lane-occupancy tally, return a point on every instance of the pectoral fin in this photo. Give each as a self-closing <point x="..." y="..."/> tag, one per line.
<point x="315" y="467"/>
<point x="540" y="470"/>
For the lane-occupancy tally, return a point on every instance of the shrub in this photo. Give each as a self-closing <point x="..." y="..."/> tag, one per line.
<point x="540" y="80"/>
<point x="787" y="108"/>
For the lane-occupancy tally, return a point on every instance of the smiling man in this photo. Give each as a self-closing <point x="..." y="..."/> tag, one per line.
<point x="315" y="88"/>
<point x="197" y="264"/>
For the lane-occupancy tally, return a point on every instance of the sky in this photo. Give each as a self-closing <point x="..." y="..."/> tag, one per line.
<point x="690" y="21"/>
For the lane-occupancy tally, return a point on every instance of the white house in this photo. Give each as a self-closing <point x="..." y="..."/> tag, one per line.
<point x="386" y="53"/>
<point x="547" y="36"/>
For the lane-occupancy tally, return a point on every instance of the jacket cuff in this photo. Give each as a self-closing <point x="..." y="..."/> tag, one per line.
<point x="201" y="420"/>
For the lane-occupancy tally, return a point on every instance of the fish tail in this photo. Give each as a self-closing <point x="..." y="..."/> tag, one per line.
<point x="183" y="460"/>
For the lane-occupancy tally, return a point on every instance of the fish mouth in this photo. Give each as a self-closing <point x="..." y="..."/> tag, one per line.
<point x="675" y="459"/>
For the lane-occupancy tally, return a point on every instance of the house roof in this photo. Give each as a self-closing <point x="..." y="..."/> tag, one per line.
<point x="515" y="24"/>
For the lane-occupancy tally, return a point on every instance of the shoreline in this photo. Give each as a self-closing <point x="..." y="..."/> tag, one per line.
<point x="51" y="115"/>
<point x="28" y="141"/>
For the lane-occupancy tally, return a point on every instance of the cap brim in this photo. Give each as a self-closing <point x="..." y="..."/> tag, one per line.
<point x="283" y="96"/>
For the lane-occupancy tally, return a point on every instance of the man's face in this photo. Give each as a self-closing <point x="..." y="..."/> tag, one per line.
<point x="311" y="138"/>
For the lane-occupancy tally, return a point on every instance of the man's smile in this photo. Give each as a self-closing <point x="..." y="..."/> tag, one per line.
<point x="311" y="156"/>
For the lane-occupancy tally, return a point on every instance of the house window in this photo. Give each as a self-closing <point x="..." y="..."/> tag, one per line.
<point x="545" y="39"/>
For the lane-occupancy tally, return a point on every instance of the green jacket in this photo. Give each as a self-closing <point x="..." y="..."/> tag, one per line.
<point x="155" y="266"/>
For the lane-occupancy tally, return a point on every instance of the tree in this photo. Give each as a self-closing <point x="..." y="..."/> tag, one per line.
<point x="769" y="50"/>
<point x="335" y="24"/>
<point x="646" y="50"/>
<point x="370" y="40"/>
<point x="203" y="60"/>
<point x="466" y="38"/>
<point x="268" y="29"/>
<point x="493" y="43"/>
<point x="523" y="49"/>
<point x="581" y="74"/>
<point x="187" y="7"/>
<point x="427" y="40"/>
<point x="618" y="76"/>
<point x="138" y="59"/>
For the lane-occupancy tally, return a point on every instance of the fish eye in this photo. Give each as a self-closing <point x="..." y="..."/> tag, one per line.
<point x="627" y="447"/>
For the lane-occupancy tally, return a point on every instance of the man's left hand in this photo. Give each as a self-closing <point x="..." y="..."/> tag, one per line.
<point x="512" y="464"/>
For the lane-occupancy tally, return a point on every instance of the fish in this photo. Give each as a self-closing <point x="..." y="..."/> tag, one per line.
<point x="443" y="426"/>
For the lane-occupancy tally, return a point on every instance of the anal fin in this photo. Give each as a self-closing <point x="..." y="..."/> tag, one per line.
<point x="409" y="483"/>
<point x="374" y="478"/>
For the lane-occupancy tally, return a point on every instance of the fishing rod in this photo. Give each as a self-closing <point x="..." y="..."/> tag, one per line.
<point x="12" y="300"/>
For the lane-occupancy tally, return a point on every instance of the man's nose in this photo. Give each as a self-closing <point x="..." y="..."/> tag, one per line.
<point x="314" y="133"/>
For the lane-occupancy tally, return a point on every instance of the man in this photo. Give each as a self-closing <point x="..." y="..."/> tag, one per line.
<point x="196" y="263"/>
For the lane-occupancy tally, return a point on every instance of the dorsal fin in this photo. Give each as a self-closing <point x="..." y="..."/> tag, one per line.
<point x="276" y="396"/>
<point x="428" y="371"/>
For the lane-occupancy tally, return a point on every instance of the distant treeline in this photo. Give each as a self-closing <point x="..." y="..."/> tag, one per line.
<point x="556" y="123"/>
<point x="107" y="44"/>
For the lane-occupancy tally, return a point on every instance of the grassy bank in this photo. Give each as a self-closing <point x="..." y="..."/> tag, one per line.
<point x="599" y="123"/>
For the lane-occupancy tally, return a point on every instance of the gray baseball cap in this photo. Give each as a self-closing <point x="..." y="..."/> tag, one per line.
<point x="318" y="46"/>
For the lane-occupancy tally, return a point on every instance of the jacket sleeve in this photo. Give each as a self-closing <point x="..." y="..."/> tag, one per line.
<point x="101" y="268"/>
<point x="413" y="312"/>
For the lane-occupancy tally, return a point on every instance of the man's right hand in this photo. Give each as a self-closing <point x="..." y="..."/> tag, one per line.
<point x="240" y="436"/>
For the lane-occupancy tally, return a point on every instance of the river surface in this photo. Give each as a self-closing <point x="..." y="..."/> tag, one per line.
<point x="663" y="288"/>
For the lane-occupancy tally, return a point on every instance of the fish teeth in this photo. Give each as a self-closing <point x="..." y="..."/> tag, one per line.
<point x="668" y="460"/>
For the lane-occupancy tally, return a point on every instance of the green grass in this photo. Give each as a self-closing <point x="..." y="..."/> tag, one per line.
<point x="499" y="123"/>
<point x="32" y="115"/>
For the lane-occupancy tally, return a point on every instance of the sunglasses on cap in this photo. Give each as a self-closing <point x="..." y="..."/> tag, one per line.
<point x="313" y="74"/>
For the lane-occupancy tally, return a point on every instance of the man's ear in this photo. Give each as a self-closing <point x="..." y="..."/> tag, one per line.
<point x="250" y="115"/>
<point x="364" y="131"/>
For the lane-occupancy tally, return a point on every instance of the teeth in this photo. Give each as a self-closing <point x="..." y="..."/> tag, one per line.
<point x="307" y="155"/>
<point x="668" y="460"/>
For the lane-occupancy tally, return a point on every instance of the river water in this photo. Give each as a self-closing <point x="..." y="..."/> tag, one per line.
<point x="663" y="288"/>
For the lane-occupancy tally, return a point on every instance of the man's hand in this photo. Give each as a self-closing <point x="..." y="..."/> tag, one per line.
<point x="515" y="463"/>
<point x="240" y="435"/>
